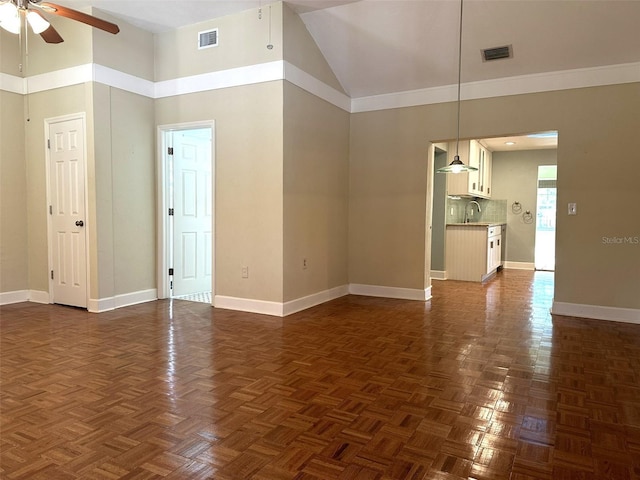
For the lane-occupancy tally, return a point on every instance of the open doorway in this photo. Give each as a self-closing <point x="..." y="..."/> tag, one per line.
<point x="187" y="213"/>
<point x="545" y="241"/>
<point x="512" y="200"/>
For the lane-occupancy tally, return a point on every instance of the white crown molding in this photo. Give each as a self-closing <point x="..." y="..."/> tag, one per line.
<point x="598" y="312"/>
<point x="123" y="81"/>
<point x="307" y="82"/>
<point x="11" y="84"/>
<point x="281" y="70"/>
<point x="523" y="84"/>
<point x="234" y="77"/>
<point x="59" y="78"/>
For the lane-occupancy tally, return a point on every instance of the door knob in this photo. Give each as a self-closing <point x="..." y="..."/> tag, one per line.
<point x="79" y="223"/>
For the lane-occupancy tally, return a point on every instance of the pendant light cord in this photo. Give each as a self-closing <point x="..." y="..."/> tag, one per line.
<point x="459" y="75"/>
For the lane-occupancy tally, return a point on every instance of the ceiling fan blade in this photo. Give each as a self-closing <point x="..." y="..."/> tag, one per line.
<point x="51" y="35"/>
<point x="80" y="17"/>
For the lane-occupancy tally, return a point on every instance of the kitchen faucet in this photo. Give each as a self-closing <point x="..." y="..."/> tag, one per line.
<point x="466" y="208"/>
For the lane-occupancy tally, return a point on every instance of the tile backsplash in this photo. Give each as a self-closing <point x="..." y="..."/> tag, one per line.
<point x="492" y="210"/>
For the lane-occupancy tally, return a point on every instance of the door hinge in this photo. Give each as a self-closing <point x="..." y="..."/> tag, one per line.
<point x="51" y="274"/>
<point x="171" y="271"/>
<point x="48" y="144"/>
<point x="50" y="209"/>
<point x="170" y="151"/>
<point x="171" y="211"/>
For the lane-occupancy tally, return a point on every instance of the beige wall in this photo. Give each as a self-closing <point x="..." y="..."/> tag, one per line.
<point x="43" y="105"/>
<point x="262" y="213"/>
<point x="243" y="40"/>
<point x="388" y="162"/>
<point x="515" y="179"/>
<point x="132" y="184"/>
<point x="101" y="197"/>
<point x="75" y="50"/>
<point x="316" y="173"/>
<point x="13" y="195"/>
<point x="121" y="259"/>
<point x="122" y="174"/>
<point x="115" y="51"/>
<point x="9" y="53"/>
<point x="388" y="197"/>
<point x="248" y="170"/>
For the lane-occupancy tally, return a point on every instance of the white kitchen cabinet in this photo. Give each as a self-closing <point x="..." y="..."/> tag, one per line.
<point x="494" y="250"/>
<point x="474" y="183"/>
<point x="485" y="161"/>
<point x="473" y="251"/>
<point x="459" y="184"/>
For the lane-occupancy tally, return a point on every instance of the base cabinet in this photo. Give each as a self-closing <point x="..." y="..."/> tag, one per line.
<point x="494" y="250"/>
<point x="473" y="252"/>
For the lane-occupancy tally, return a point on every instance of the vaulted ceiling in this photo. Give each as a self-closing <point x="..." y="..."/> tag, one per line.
<point x="379" y="47"/>
<point x="385" y="46"/>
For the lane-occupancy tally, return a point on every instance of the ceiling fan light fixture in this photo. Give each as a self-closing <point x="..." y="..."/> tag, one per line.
<point x="9" y="19"/>
<point x="38" y="24"/>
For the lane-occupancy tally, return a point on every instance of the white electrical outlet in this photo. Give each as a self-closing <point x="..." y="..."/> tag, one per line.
<point x="573" y="209"/>
<point x="245" y="272"/>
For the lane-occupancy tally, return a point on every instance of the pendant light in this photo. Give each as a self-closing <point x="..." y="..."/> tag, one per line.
<point x="457" y="165"/>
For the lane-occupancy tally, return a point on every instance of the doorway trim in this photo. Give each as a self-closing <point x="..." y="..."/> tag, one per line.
<point x="82" y="116"/>
<point x="164" y="290"/>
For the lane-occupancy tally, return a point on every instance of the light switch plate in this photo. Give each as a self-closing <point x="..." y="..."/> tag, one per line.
<point x="573" y="209"/>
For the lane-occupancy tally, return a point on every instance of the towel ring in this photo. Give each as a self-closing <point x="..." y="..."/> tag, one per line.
<point x="516" y="207"/>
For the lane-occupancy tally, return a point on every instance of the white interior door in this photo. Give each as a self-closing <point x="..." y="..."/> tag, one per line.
<point x="67" y="211"/>
<point x="192" y="211"/>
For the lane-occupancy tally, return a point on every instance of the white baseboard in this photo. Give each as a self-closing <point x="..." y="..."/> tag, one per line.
<point x="314" y="299"/>
<point x="250" y="305"/>
<point x="520" y="265"/>
<point x="283" y="309"/>
<point x="38" y="296"/>
<point x="279" y="309"/>
<point x="7" y="298"/>
<point x="598" y="312"/>
<point x="438" y="275"/>
<point x="124" y="300"/>
<point x="390" y="292"/>
<point x="18" y="296"/>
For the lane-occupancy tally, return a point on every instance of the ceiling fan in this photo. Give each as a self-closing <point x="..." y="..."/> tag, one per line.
<point x="12" y="13"/>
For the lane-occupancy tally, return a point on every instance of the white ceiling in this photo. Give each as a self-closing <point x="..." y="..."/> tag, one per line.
<point x="533" y="141"/>
<point x="379" y="47"/>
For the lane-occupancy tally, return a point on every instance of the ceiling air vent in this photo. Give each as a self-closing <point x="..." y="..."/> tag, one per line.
<point x="497" y="53"/>
<point x="208" y="38"/>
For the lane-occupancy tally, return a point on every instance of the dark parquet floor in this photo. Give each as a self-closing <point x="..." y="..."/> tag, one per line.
<point x="480" y="382"/>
